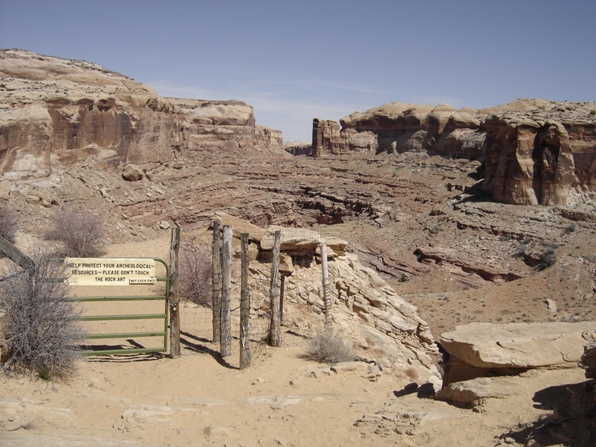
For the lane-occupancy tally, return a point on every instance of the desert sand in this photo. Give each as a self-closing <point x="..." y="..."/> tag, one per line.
<point x="281" y="399"/>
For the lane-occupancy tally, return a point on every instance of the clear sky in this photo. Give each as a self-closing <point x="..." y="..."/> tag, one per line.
<point x="295" y="60"/>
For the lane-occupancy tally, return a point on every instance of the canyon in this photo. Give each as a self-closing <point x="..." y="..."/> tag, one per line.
<point x="534" y="151"/>
<point x="448" y="218"/>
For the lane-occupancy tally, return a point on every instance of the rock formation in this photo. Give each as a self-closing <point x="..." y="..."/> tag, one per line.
<point x="58" y="110"/>
<point x="535" y="151"/>
<point x="588" y="360"/>
<point x="367" y="310"/>
<point x="484" y="349"/>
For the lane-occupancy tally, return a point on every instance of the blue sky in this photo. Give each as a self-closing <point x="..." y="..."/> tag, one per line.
<point x="295" y="60"/>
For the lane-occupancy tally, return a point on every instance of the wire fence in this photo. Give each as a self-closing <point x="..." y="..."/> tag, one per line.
<point x="300" y="250"/>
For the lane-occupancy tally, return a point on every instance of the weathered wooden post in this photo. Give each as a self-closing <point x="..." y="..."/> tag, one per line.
<point x="15" y="255"/>
<point x="275" y="326"/>
<point x="216" y="281"/>
<point x="244" y="305"/>
<point x="173" y="296"/>
<point x="326" y="299"/>
<point x="282" y="291"/>
<point x="226" y="309"/>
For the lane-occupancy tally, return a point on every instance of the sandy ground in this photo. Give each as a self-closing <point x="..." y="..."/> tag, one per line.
<point x="281" y="399"/>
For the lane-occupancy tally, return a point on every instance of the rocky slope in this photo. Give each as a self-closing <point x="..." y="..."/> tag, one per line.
<point x="535" y="151"/>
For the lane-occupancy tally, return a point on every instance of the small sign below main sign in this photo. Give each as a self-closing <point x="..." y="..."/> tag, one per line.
<point x="109" y="271"/>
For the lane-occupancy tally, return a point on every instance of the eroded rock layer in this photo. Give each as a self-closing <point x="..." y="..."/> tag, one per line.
<point x="60" y="110"/>
<point x="535" y="151"/>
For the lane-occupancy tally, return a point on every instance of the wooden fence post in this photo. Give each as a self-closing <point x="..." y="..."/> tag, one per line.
<point x="275" y="326"/>
<point x="216" y="280"/>
<point x="244" y="305"/>
<point x="326" y="299"/>
<point x="173" y="296"/>
<point x="15" y="255"/>
<point x="282" y="291"/>
<point x="226" y="311"/>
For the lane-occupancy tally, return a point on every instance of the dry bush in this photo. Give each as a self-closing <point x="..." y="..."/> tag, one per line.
<point x="195" y="272"/>
<point x="8" y="225"/>
<point x="79" y="234"/>
<point x="328" y="347"/>
<point x="40" y="325"/>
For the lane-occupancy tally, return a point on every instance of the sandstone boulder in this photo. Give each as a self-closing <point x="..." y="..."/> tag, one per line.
<point x="240" y="226"/>
<point x="474" y="392"/>
<point x="517" y="345"/>
<point x="294" y="240"/>
<point x="132" y="173"/>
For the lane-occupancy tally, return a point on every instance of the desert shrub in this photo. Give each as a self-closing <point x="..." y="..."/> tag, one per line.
<point x="195" y="273"/>
<point x="329" y="347"/>
<point x="570" y="229"/>
<point x="8" y="225"/>
<point x="79" y="234"/>
<point x="539" y="255"/>
<point x="547" y="257"/>
<point x="40" y="327"/>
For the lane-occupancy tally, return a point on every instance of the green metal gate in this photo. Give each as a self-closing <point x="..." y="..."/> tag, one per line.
<point x="134" y="316"/>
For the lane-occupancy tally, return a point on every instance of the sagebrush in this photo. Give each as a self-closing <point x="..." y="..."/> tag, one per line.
<point x="39" y="324"/>
<point x="79" y="234"/>
<point x="195" y="271"/>
<point x="329" y="347"/>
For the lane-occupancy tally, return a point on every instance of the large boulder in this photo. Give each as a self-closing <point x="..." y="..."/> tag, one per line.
<point x="480" y="349"/>
<point x="474" y="392"/>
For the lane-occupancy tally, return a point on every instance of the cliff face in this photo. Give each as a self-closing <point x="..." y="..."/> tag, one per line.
<point x="546" y="156"/>
<point x="59" y="110"/>
<point x="536" y="151"/>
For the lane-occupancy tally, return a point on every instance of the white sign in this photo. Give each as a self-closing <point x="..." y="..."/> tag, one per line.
<point x="109" y="272"/>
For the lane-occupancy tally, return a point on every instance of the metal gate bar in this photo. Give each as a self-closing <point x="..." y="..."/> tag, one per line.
<point x="163" y="316"/>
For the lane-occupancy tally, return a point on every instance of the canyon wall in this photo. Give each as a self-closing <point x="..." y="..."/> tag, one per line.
<point x="59" y="110"/>
<point x="535" y="151"/>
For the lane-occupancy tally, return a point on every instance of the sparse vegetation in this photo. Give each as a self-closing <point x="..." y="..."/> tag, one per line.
<point x="329" y="347"/>
<point x="539" y="255"/>
<point x="570" y="229"/>
<point x="79" y="234"/>
<point x="195" y="273"/>
<point x="547" y="256"/>
<point x="39" y="325"/>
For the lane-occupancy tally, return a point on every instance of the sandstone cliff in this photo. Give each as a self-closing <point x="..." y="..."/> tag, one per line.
<point x="59" y="110"/>
<point x="535" y="151"/>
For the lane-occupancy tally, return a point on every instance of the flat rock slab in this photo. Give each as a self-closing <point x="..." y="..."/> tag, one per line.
<point x="474" y="392"/>
<point x="518" y="345"/>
